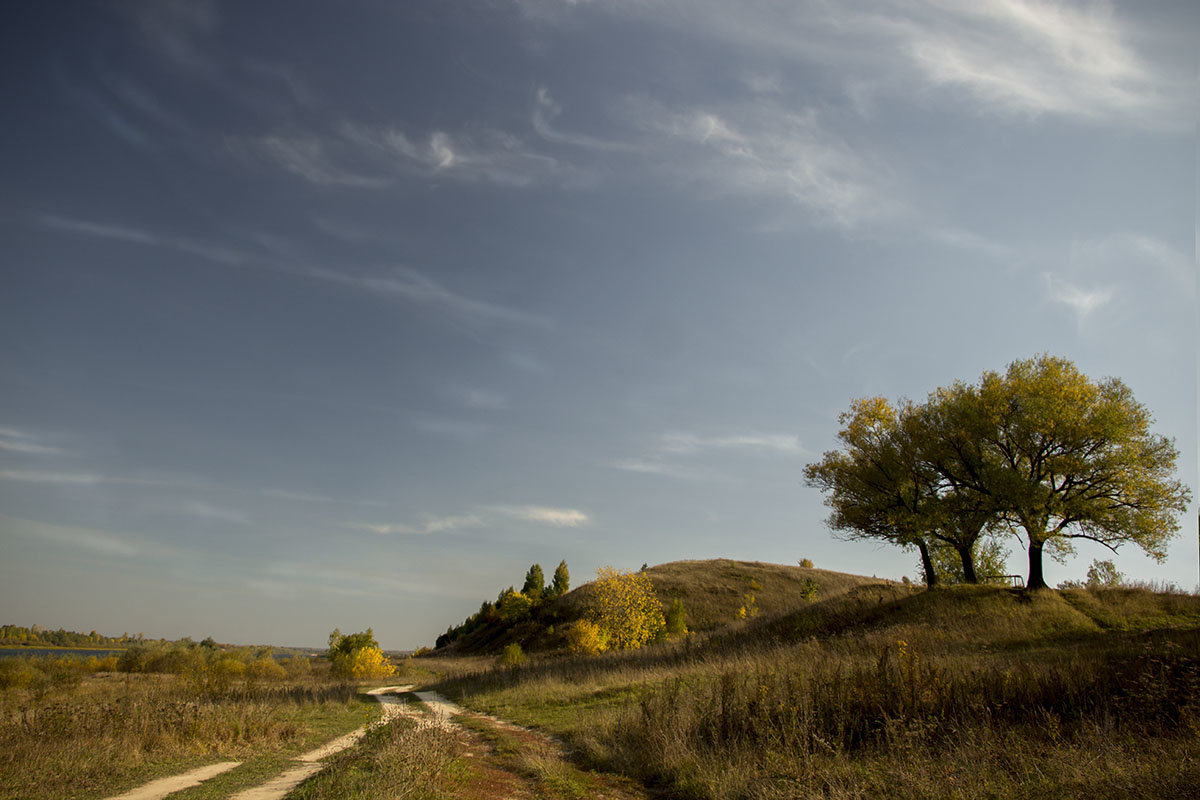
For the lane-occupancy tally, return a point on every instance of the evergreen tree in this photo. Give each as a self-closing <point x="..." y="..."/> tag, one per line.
<point x="562" y="580"/>
<point x="535" y="583"/>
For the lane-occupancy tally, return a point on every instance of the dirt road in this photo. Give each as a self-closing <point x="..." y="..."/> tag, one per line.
<point x="307" y="764"/>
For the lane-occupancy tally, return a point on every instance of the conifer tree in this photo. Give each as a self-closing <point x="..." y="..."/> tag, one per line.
<point x="535" y="583"/>
<point x="562" y="580"/>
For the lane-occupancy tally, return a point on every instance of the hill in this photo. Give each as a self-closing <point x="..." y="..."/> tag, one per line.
<point x="876" y="689"/>
<point x="712" y="592"/>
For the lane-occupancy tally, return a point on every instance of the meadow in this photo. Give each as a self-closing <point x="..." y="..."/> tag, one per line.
<point x="887" y="691"/>
<point x="77" y="727"/>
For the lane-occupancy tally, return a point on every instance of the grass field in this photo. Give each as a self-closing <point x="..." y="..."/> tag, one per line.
<point x="108" y="732"/>
<point x="886" y="691"/>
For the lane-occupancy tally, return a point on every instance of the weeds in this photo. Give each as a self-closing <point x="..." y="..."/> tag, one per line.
<point x="880" y="692"/>
<point x="102" y="732"/>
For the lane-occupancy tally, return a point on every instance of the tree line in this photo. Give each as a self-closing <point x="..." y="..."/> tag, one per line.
<point x="512" y="605"/>
<point x="1039" y="451"/>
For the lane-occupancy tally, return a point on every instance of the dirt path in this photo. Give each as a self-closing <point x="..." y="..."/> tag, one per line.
<point x="276" y="788"/>
<point x="154" y="790"/>
<point x="502" y="759"/>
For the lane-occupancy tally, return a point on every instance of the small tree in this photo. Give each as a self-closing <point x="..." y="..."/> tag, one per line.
<point x="535" y="583"/>
<point x="562" y="580"/>
<point x="626" y="608"/>
<point x="1103" y="574"/>
<point x="357" y="656"/>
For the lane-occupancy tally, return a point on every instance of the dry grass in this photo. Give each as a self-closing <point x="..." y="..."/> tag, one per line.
<point x="711" y="591"/>
<point x="109" y="732"/>
<point x="883" y="692"/>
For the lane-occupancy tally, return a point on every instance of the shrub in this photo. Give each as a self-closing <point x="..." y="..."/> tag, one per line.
<point x="1103" y="574"/>
<point x="676" y="619"/>
<point x="512" y="606"/>
<point x="806" y="563"/>
<point x="512" y="657"/>
<point x="370" y="663"/>
<point x="626" y="608"/>
<point x="809" y="589"/>
<point x="586" y="638"/>
<point x="265" y="669"/>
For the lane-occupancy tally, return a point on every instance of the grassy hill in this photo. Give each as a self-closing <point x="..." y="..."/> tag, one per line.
<point x="876" y="689"/>
<point x="712" y="593"/>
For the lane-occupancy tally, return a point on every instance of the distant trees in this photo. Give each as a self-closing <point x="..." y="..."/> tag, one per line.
<point x="511" y="606"/>
<point x="357" y="656"/>
<point x="1041" y="448"/>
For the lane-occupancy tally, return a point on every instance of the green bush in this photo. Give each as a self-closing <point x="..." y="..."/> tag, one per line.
<point x="512" y="657"/>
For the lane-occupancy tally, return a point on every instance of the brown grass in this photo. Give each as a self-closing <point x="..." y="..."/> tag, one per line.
<point x="881" y="691"/>
<point x="109" y="732"/>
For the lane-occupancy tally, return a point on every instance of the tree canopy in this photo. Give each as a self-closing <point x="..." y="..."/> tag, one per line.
<point x="1040" y="448"/>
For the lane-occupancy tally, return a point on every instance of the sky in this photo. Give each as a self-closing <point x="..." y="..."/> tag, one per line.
<point x="320" y="315"/>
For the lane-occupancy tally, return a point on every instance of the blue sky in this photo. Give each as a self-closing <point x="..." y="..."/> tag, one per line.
<point x="321" y="315"/>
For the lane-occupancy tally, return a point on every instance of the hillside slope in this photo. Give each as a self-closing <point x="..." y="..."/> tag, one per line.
<point x="712" y="593"/>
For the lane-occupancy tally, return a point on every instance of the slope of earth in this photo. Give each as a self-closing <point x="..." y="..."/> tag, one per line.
<point x="712" y="592"/>
<point x="883" y="690"/>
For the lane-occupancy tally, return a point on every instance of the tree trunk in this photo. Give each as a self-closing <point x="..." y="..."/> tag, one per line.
<point x="1036" y="581"/>
<point x="968" y="564"/>
<point x="927" y="564"/>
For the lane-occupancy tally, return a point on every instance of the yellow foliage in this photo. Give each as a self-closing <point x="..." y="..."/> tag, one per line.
<point x="626" y="609"/>
<point x="586" y="637"/>
<point x="265" y="669"/>
<point x="370" y="662"/>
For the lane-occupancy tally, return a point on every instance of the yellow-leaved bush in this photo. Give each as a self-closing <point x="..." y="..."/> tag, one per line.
<point x="586" y="638"/>
<point x="626" y="609"/>
<point x="370" y="662"/>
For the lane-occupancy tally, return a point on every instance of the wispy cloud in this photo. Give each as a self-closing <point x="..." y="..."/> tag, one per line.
<point x="358" y="155"/>
<point x="691" y="443"/>
<point x="13" y="440"/>
<point x="412" y="285"/>
<point x="87" y="539"/>
<point x="399" y="282"/>
<point x="67" y="478"/>
<point x="215" y="513"/>
<point x="122" y="233"/>
<point x="482" y="399"/>
<point x="653" y="466"/>
<point x="1083" y="302"/>
<point x="1031" y="57"/>
<point x="489" y="155"/>
<point x="546" y="110"/>
<point x="543" y="515"/>
<point x="770" y="151"/>
<point x="1005" y="57"/>
<point x="663" y="455"/>
<point x="557" y="517"/>
<point x="452" y="428"/>
<point x="307" y="157"/>
<point x="63" y="478"/>
<point x="174" y="29"/>
<point x="430" y="525"/>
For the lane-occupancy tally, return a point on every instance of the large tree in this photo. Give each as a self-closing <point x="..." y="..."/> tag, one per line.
<point x="877" y="487"/>
<point x="1040" y="448"/>
<point x="1071" y="458"/>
